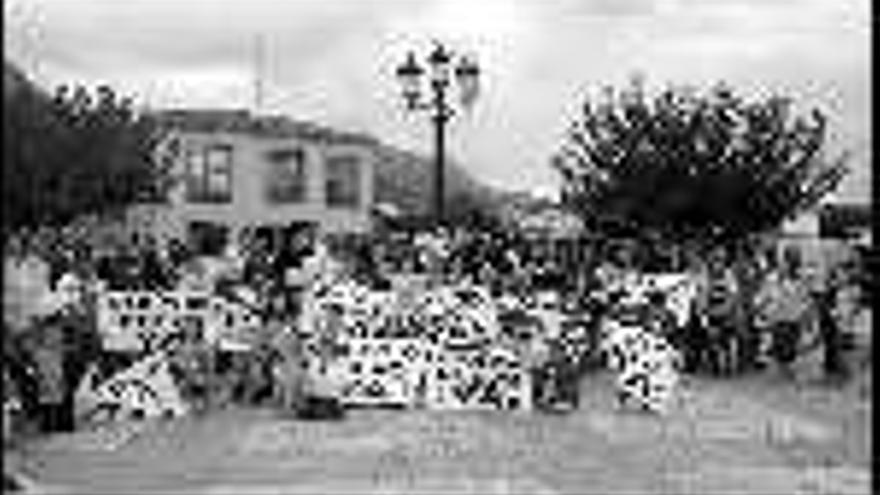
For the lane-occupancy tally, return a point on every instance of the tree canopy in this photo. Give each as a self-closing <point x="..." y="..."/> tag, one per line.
<point x="691" y="164"/>
<point x="78" y="151"/>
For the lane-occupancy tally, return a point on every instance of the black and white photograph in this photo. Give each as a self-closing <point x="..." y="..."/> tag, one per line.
<point x="457" y="247"/>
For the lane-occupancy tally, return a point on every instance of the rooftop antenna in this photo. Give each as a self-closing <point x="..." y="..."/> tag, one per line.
<point x="259" y="67"/>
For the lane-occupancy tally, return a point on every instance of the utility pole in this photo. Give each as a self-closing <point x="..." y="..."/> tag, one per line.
<point x="259" y="68"/>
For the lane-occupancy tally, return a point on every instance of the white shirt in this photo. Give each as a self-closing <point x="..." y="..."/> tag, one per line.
<point x="25" y="286"/>
<point x="68" y="289"/>
<point x="320" y="267"/>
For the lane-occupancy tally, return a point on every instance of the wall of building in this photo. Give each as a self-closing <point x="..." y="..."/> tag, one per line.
<point x="251" y="172"/>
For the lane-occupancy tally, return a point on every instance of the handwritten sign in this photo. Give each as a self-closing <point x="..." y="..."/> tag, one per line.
<point x="438" y="349"/>
<point x="144" y="390"/>
<point x="142" y="320"/>
<point x="646" y="364"/>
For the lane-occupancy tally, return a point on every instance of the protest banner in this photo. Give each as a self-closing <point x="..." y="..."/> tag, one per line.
<point x="144" y="390"/>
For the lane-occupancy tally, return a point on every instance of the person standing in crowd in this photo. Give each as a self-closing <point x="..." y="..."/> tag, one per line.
<point x="460" y="241"/>
<point x="177" y="252"/>
<point x="320" y="268"/>
<point x="767" y="270"/>
<point x="19" y="367"/>
<point x="420" y="243"/>
<point x="257" y="383"/>
<point x="566" y="357"/>
<point x="488" y="276"/>
<point x="659" y="319"/>
<point x="716" y="305"/>
<point x="827" y="297"/>
<point x="748" y="275"/>
<point x="254" y="267"/>
<point x="432" y="248"/>
<point x="287" y="360"/>
<point x="12" y="405"/>
<point x="514" y="266"/>
<point x="47" y="349"/>
<point x="130" y="274"/>
<point x="610" y="272"/>
<point x="292" y="280"/>
<point x="782" y="308"/>
<point x="561" y="376"/>
<point x="537" y="358"/>
<point x="26" y="281"/>
<point x="81" y="343"/>
<point x="194" y="363"/>
<point x="365" y="266"/>
<point x="154" y="277"/>
<point x="69" y="288"/>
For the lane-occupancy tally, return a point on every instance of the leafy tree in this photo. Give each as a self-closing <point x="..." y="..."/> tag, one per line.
<point x="78" y="151"/>
<point x="688" y="165"/>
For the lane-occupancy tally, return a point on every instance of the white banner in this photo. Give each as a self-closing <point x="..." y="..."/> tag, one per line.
<point x="679" y="289"/>
<point x="144" y="390"/>
<point x="142" y="320"/>
<point x="440" y="350"/>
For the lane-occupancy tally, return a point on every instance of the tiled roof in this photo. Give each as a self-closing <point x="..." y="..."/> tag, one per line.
<point x="244" y="122"/>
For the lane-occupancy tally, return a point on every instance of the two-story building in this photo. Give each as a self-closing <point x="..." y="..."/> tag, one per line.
<point x="234" y="172"/>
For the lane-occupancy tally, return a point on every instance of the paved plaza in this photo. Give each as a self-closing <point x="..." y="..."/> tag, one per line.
<point x="724" y="436"/>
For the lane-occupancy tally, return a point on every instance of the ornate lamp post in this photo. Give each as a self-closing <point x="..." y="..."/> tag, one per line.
<point x="429" y="87"/>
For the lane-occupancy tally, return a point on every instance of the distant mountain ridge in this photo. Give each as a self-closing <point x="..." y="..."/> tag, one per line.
<point x="406" y="180"/>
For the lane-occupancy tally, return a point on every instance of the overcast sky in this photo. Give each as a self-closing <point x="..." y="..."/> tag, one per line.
<point x="332" y="61"/>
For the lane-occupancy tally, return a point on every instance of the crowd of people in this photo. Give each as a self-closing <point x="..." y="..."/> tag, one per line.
<point x="748" y="312"/>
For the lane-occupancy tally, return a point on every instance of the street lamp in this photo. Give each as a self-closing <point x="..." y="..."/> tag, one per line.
<point x="428" y="87"/>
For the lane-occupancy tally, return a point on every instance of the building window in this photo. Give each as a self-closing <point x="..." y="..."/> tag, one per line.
<point x="209" y="174"/>
<point x="287" y="179"/>
<point x="343" y="182"/>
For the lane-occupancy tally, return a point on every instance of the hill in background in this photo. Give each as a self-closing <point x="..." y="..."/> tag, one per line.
<point x="14" y="80"/>
<point x="406" y="179"/>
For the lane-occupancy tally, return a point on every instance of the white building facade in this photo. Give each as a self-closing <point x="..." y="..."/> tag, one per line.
<point x="233" y="172"/>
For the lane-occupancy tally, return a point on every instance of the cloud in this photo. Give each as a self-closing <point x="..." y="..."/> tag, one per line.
<point x="818" y="53"/>
<point x="107" y="36"/>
